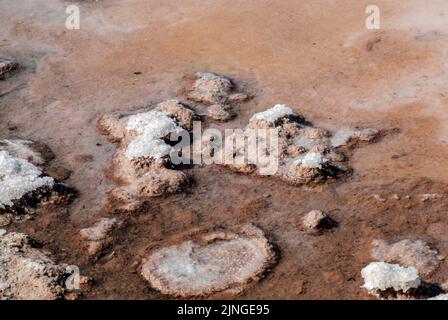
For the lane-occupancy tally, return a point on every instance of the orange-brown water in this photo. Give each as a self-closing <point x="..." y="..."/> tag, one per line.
<point x="316" y="56"/>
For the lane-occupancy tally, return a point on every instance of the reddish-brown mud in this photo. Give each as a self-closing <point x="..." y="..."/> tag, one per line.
<point x="315" y="56"/>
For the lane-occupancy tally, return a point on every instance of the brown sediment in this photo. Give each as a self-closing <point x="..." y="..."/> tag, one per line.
<point x="316" y="57"/>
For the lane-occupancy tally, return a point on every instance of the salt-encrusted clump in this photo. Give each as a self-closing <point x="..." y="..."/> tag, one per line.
<point x="98" y="237"/>
<point x="346" y="136"/>
<point x="36" y="153"/>
<point x="27" y="273"/>
<point x="217" y="93"/>
<point x="381" y="278"/>
<point x="7" y="68"/>
<point x="218" y="262"/>
<point x="415" y="253"/>
<point x="23" y="185"/>
<point x="303" y="153"/>
<point x="142" y="162"/>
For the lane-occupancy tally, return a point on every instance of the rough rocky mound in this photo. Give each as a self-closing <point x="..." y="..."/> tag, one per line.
<point x="212" y="263"/>
<point x="24" y="186"/>
<point x="306" y="154"/>
<point x="142" y="162"/>
<point x="27" y="272"/>
<point x="215" y="92"/>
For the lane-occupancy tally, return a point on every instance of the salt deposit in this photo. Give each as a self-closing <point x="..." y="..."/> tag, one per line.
<point x="443" y="296"/>
<point x="18" y="177"/>
<point x="312" y="160"/>
<point x="27" y="150"/>
<point x="301" y="153"/>
<point x="27" y="273"/>
<point x="273" y="114"/>
<point x="216" y="92"/>
<point x="142" y="160"/>
<point x="380" y="276"/>
<point x="346" y="135"/>
<point x="415" y="253"/>
<point x="224" y="261"/>
<point x="23" y="184"/>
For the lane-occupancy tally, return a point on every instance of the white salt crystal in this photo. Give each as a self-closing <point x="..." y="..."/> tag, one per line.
<point x="382" y="276"/>
<point x="151" y="128"/>
<point x="312" y="160"/>
<point x="443" y="296"/>
<point x="273" y="114"/>
<point x="18" y="177"/>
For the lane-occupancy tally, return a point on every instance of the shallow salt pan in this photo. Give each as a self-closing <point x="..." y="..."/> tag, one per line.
<point x="17" y="178"/>
<point x="217" y="262"/>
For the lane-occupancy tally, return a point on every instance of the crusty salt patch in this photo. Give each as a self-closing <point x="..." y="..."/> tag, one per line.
<point x="142" y="160"/>
<point x="18" y="177"/>
<point x="344" y="135"/>
<point x="216" y="262"/>
<point x="295" y="151"/>
<point x="27" y="272"/>
<point x="273" y="114"/>
<point x="407" y="252"/>
<point x="151" y="127"/>
<point x="23" y="149"/>
<point x="380" y="276"/>
<point x="312" y="160"/>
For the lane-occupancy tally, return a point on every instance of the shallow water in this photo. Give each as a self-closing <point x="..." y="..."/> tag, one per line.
<point x="315" y="56"/>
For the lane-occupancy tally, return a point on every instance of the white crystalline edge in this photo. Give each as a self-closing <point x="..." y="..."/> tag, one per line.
<point x="155" y="123"/>
<point x="312" y="160"/>
<point x="151" y="126"/>
<point x="341" y="137"/>
<point x="20" y="148"/>
<point x="147" y="145"/>
<point x="271" y="115"/>
<point x="382" y="276"/>
<point x="18" y="177"/>
<point x="199" y="268"/>
<point x="443" y="296"/>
